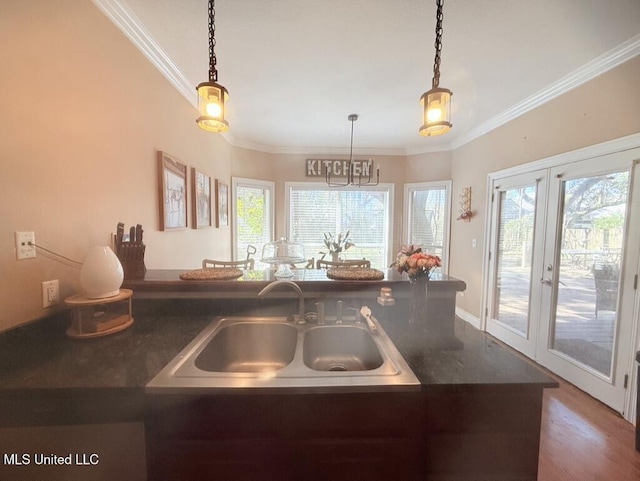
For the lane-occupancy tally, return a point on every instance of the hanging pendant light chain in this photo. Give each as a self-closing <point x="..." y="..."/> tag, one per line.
<point x="213" y="71"/>
<point x="438" y="45"/>
<point x="211" y="95"/>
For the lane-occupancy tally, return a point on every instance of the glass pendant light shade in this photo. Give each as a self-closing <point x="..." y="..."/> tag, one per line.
<point x="211" y="100"/>
<point x="436" y="112"/>
<point x="101" y="274"/>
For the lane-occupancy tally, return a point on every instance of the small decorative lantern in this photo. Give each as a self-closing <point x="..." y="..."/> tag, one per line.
<point x="211" y="95"/>
<point x="436" y="103"/>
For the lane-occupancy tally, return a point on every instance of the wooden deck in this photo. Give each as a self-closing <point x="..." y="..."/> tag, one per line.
<point x="580" y="332"/>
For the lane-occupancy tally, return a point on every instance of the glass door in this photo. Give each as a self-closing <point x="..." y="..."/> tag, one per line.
<point x="517" y="230"/>
<point x="584" y="254"/>
<point x="557" y="254"/>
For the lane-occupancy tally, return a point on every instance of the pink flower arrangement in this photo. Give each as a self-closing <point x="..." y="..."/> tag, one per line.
<point x="414" y="262"/>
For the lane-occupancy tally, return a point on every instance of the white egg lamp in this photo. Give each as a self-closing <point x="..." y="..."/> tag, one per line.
<point x="101" y="274"/>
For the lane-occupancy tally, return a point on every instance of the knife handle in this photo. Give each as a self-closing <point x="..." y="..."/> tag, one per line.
<point x="139" y="232"/>
<point x="119" y="235"/>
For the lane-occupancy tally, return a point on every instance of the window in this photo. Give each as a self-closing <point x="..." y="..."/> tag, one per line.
<point x="427" y="217"/>
<point x="365" y="212"/>
<point x="253" y="216"/>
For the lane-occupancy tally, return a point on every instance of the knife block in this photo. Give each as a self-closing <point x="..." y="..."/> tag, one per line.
<point x="132" y="259"/>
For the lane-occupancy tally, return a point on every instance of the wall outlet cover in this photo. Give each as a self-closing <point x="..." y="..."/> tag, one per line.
<point x="50" y="293"/>
<point x="25" y="245"/>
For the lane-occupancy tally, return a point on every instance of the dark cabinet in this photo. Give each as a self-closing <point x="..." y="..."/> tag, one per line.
<point x="444" y="433"/>
<point x="370" y="436"/>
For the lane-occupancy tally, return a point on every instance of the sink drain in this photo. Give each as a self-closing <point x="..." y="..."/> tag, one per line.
<point x="337" y="366"/>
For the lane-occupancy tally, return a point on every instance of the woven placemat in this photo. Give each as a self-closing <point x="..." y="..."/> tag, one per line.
<point x="212" y="274"/>
<point x="354" y="274"/>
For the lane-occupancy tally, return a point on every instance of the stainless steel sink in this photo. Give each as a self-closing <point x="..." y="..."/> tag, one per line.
<point x="340" y="348"/>
<point x="249" y="347"/>
<point x="270" y="354"/>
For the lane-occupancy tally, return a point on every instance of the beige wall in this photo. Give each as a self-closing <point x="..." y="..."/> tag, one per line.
<point x="393" y="169"/>
<point x="605" y="108"/>
<point x="84" y="112"/>
<point x="428" y="167"/>
<point x="82" y="115"/>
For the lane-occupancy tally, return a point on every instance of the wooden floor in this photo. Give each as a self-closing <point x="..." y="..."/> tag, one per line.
<point x="584" y="440"/>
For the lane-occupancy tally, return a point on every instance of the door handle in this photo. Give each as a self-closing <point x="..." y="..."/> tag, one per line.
<point x="546" y="281"/>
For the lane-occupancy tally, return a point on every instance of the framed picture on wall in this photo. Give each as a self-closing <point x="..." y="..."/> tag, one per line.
<point x="201" y="199"/>
<point x="222" y="204"/>
<point x="172" y="192"/>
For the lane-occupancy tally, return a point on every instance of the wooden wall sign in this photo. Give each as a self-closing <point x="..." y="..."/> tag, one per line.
<point x="337" y="167"/>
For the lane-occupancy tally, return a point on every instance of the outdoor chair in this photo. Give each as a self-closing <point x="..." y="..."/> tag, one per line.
<point x="606" y="277"/>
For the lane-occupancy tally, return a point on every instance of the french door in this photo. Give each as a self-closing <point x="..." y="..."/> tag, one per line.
<point x="518" y="216"/>
<point x="558" y="248"/>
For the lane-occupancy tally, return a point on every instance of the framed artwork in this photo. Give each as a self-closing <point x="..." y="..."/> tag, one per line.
<point x="172" y="190"/>
<point x="201" y="200"/>
<point x="222" y="204"/>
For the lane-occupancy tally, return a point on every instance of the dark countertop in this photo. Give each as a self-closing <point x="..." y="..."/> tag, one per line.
<point x="41" y="357"/>
<point x="165" y="281"/>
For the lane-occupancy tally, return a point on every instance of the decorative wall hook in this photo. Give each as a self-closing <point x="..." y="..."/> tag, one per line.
<point x="464" y="211"/>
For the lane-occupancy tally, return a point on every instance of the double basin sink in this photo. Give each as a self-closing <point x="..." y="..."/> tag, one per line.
<point x="265" y="354"/>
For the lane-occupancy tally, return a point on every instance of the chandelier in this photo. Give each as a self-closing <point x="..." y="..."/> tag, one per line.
<point x="436" y="103"/>
<point x="211" y="95"/>
<point x="357" y="173"/>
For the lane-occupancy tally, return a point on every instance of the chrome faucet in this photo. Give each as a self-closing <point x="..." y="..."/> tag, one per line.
<point x="295" y="287"/>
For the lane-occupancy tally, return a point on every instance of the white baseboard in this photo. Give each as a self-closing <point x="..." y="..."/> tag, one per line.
<point x="470" y="318"/>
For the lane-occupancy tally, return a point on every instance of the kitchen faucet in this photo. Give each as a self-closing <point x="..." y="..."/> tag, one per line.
<point x="295" y="287"/>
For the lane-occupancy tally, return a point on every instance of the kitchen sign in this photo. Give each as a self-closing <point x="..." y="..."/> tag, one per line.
<point x="338" y="168"/>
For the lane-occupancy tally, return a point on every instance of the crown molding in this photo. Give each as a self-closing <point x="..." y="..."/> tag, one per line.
<point x="361" y="152"/>
<point x="611" y="59"/>
<point x="123" y="18"/>
<point x="270" y="149"/>
<point x="445" y="147"/>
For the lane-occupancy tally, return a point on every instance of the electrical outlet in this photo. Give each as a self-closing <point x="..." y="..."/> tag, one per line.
<point x="50" y="293"/>
<point x="25" y="245"/>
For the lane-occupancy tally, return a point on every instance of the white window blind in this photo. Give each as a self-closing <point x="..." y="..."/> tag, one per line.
<point x="365" y="212"/>
<point x="427" y="217"/>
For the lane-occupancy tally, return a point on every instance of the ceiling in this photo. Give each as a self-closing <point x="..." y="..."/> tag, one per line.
<point x="295" y="69"/>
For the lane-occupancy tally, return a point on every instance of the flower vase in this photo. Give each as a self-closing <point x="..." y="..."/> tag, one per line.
<point x="335" y="257"/>
<point x="418" y="303"/>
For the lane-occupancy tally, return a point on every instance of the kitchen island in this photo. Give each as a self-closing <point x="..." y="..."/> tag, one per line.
<point x="476" y="415"/>
<point x="239" y="296"/>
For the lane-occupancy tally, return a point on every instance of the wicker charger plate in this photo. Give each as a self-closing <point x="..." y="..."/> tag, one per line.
<point x="212" y="274"/>
<point x="354" y="274"/>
